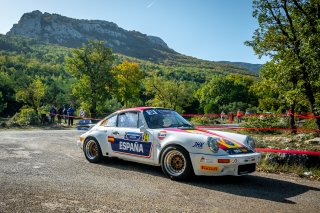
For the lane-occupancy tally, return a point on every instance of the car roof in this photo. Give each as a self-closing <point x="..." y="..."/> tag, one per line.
<point x="139" y="109"/>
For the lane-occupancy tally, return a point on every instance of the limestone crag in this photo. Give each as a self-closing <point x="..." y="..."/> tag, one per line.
<point x="57" y="29"/>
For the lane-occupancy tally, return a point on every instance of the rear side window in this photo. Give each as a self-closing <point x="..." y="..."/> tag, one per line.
<point x="112" y="121"/>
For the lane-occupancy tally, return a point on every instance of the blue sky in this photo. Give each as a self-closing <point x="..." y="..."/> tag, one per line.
<point x="214" y="30"/>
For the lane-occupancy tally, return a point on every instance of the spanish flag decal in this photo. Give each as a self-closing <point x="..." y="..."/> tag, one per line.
<point x="110" y="139"/>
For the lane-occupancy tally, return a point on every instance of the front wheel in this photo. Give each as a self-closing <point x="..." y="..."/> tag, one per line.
<point x="176" y="163"/>
<point x="92" y="150"/>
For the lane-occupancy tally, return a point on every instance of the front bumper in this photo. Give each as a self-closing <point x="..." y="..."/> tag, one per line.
<point x="80" y="144"/>
<point x="208" y="165"/>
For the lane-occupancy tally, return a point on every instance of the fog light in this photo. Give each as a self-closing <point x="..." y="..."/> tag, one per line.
<point x="81" y="139"/>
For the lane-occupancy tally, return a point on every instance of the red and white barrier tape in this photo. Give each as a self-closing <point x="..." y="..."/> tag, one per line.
<point x="297" y="152"/>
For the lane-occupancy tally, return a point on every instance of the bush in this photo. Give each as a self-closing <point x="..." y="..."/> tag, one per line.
<point x="266" y="122"/>
<point x="25" y="117"/>
<point x="204" y="120"/>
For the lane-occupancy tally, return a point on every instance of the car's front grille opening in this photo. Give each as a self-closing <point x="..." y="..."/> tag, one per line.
<point x="246" y="168"/>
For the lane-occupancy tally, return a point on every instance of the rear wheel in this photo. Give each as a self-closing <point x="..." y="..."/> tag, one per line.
<point x="176" y="163"/>
<point x="92" y="150"/>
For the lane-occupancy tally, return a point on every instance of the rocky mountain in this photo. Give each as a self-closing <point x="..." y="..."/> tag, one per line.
<point x="69" y="32"/>
<point x="57" y="29"/>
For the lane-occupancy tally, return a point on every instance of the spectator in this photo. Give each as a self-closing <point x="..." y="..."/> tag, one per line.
<point x="53" y="113"/>
<point x="70" y="112"/>
<point x="60" y="114"/>
<point x="82" y="113"/>
<point x="65" y="113"/>
<point x="222" y="115"/>
<point x="231" y="117"/>
<point x="239" y="116"/>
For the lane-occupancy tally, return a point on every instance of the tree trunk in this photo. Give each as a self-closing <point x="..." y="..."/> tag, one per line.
<point x="292" y="122"/>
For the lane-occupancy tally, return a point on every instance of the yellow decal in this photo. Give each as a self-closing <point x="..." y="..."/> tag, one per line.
<point x="145" y="137"/>
<point x="209" y="168"/>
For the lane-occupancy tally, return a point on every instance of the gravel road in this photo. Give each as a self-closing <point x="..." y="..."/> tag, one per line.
<point x="44" y="171"/>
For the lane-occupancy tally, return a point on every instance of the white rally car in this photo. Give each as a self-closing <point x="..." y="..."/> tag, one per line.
<point x="162" y="137"/>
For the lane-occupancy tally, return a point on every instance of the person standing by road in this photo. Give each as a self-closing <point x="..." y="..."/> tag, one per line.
<point x="222" y="115"/>
<point x="60" y="114"/>
<point x="70" y="116"/>
<point x="53" y="113"/>
<point x="239" y="116"/>
<point x="231" y="117"/>
<point x="82" y="113"/>
<point x="65" y="113"/>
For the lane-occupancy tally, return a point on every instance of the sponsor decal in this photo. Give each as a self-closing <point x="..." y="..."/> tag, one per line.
<point x="110" y="139"/>
<point x="145" y="137"/>
<point x="133" y="136"/>
<point x="202" y="159"/>
<point x="162" y="135"/>
<point x="209" y="168"/>
<point x="198" y="145"/>
<point x="151" y="112"/>
<point x="134" y="148"/>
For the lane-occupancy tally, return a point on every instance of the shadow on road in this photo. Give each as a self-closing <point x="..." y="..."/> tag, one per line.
<point x="249" y="186"/>
<point x="253" y="186"/>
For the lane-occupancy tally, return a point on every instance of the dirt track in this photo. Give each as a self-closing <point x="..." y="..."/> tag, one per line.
<point x="44" y="171"/>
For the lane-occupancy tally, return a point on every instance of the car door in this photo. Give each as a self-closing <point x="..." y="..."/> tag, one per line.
<point x="105" y="135"/>
<point x="129" y="143"/>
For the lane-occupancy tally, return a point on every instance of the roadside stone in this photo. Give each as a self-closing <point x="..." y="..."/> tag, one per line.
<point x="314" y="141"/>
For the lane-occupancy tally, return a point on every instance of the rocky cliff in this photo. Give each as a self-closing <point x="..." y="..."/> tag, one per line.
<point x="57" y="29"/>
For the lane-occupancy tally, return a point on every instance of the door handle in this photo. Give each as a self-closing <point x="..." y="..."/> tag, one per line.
<point x="115" y="132"/>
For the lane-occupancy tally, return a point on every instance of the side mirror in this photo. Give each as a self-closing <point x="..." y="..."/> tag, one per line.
<point x="142" y="128"/>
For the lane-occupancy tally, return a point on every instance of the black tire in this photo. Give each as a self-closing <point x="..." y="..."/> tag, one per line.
<point x="92" y="150"/>
<point x="176" y="163"/>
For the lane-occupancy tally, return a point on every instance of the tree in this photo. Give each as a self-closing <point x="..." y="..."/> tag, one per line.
<point x="172" y="94"/>
<point x="32" y="94"/>
<point x="92" y="65"/>
<point x="129" y="78"/>
<point x="221" y="92"/>
<point x="289" y="33"/>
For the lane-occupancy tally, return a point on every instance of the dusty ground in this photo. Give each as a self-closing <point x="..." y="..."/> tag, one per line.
<point x="44" y="171"/>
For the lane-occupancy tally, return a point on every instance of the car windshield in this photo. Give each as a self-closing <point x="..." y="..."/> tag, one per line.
<point x="165" y="118"/>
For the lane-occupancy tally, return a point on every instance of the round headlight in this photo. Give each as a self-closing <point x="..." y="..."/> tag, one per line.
<point x="251" y="143"/>
<point x="213" y="144"/>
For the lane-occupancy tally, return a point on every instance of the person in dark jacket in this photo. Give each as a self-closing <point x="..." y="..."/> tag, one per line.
<point x="70" y="116"/>
<point x="53" y="113"/>
<point x="60" y="114"/>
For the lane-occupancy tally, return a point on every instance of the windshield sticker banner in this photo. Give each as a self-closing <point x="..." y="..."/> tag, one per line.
<point x="134" y="148"/>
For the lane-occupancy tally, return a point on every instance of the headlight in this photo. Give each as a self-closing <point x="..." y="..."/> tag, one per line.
<point x="213" y="144"/>
<point x="250" y="143"/>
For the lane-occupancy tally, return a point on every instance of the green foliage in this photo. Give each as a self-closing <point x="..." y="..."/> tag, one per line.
<point x="266" y="122"/>
<point x="204" y="120"/>
<point x="169" y="93"/>
<point x="129" y="82"/>
<point x="289" y="33"/>
<point x="32" y="94"/>
<point x="226" y="93"/>
<point x="26" y="116"/>
<point x="91" y="65"/>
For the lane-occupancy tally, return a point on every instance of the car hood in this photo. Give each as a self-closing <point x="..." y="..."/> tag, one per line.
<point x="231" y="143"/>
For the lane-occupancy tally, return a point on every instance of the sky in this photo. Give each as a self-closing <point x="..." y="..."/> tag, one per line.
<point x="213" y="30"/>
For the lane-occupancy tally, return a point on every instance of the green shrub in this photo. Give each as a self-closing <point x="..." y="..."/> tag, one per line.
<point x="204" y="120"/>
<point x="266" y="122"/>
<point x="25" y="117"/>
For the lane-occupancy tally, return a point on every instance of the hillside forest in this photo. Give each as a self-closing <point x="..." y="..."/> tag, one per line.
<point x="34" y="76"/>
